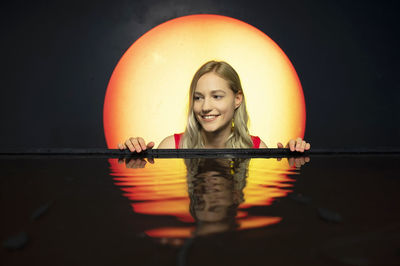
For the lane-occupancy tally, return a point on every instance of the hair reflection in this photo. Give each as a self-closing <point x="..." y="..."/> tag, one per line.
<point x="215" y="189"/>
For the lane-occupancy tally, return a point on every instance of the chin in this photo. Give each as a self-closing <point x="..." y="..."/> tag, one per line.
<point x="210" y="129"/>
<point x="213" y="128"/>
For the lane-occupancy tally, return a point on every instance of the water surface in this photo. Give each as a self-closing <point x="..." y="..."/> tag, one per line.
<point x="333" y="210"/>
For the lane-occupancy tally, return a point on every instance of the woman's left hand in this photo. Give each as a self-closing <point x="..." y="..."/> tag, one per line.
<point x="298" y="145"/>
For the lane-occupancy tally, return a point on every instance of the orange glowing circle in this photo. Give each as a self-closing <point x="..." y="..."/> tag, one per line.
<point x="147" y="94"/>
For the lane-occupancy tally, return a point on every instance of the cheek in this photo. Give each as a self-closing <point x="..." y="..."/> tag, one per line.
<point x="196" y="107"/>
<point x="227" y="107"/>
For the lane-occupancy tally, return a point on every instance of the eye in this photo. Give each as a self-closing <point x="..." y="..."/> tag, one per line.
<point x="218" y="97"/>
<point x="196" y="98"/>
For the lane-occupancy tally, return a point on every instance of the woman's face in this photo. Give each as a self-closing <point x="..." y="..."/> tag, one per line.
<point x="214" y="102"/>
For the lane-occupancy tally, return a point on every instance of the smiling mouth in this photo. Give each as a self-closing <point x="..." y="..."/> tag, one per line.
<point x="208" y="118"/>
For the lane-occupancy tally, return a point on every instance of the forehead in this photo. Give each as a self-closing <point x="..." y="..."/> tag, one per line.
<point x="211" y="81"/>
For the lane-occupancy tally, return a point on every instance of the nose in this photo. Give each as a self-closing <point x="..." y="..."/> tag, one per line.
<point x="206" y="107"/>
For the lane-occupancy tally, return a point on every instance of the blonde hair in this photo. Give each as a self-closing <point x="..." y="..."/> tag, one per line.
<point x="240" y="137"/>
<point x="234" y="170"/>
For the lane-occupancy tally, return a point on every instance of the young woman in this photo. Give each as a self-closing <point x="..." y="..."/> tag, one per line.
<point x="217" y="116"/>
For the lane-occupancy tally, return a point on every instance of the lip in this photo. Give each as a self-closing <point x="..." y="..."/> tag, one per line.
<point x="203" y="118"/>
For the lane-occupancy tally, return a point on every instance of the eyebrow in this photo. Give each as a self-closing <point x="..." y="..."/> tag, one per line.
<point x="213" y="91"/>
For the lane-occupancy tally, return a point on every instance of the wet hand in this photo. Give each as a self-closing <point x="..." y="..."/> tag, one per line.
<point x="298" y="145"/>
<point x="136" y="145"/>
<point x="296" y="161"/>
<point x="135" y="162"/>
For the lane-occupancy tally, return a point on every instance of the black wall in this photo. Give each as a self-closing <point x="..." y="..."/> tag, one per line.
<point x="57" y="58"/>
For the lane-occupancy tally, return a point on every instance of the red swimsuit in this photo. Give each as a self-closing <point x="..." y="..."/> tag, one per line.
<point x="256" y="141"/>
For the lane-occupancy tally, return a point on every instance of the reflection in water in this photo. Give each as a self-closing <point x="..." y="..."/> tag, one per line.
<point x="208" y="195"/>
<point x="215" y="189"/>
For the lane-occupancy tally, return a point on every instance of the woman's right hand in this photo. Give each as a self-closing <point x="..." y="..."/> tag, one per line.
<point x="136" y="145"/>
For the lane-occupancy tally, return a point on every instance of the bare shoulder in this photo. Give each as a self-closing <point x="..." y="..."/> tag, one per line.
<point x="167" y="143"/>
<point x="263" y="145"/>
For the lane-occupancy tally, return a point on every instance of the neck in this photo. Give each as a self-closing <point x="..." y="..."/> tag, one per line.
<point x="217" y="139"/>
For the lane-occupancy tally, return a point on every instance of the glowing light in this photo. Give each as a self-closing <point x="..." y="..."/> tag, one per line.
<point x="148" y="91"/>
<point x="162" y="189"/>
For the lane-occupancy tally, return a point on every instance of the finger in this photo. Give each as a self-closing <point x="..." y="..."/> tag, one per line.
<point x="308" y="146"/>
<point x="142" y="163"/>
<point x="291" y="161"/>
<point x="137" y="163"/>
<point x="130" y="163"/>
<point x="121" y="146"/>
<point x="150" y="145"/>
<point x="278" y="159"/>
<point x="136" y="144"/>
<point x="302" y="146"/>
<point x="142" y="143"/>
<point x="292" y="143"/>
<point x="151" y="160"/>
<point x="121" y="161"/>
<point x="298" y="162"/>
<point x="298" y="144"/>
<point x="307" y="159"/>
<point x="280" y="145"/>
<point x="129" y="144"/>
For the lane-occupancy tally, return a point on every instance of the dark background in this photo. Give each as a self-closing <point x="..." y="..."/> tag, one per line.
<point x="58" y="56"/>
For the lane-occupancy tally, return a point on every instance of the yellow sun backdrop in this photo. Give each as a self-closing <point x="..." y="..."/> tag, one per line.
<point x="147" y="95"/>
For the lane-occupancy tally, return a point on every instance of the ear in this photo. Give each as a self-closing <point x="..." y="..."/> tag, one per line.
<point x="238" y="99"/>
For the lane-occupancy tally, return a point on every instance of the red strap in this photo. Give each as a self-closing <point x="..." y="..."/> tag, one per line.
<point x="256" y="142"/>
<point x="177" y="140"/>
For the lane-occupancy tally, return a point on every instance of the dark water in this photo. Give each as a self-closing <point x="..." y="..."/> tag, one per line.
<point x="329" y="210"/>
